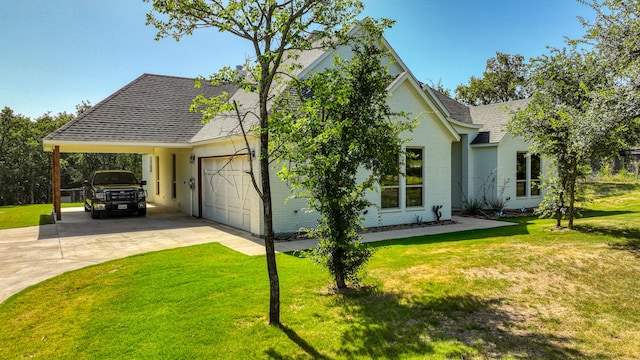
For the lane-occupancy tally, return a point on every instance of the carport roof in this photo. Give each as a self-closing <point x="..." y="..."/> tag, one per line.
<point x="150" y="109"/>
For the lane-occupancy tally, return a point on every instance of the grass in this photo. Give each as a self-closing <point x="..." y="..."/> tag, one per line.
<point x="523" y="291"/>
<point x="28" y="215"/>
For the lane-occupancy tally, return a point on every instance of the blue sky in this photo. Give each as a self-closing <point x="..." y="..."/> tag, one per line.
<point x="55" y="54"/>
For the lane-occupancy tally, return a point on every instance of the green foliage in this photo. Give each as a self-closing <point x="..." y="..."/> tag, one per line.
<point x="76" y="167"/>
<point x="503" y="80"/>
<point x="473" y="206"/>
<point x="338" y="138"/>
<point x="558" y="125"/>
<point x="586" y="103"/>
<point x="25" y="170"/>
<point x="615" y="37"/>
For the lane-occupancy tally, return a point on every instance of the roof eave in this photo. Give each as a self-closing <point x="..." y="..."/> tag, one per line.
<point x="110" y="146"/>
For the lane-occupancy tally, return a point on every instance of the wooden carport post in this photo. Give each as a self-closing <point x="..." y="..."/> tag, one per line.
<point x="55" y="181"/>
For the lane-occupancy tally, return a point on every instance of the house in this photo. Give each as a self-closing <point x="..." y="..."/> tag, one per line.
<point x="203" y="169"/>
<point x="490" y="164"/>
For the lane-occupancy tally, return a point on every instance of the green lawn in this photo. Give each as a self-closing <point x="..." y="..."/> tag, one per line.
<point x="524" y="291"/>
<point x="28" y="215"/>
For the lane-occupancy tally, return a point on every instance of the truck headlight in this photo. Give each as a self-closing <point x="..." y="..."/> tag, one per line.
<point x="141" y="194"/>
<point x="100" y="196"/>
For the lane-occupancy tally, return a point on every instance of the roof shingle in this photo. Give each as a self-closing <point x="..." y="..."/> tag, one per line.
<point x="152" y="108"/>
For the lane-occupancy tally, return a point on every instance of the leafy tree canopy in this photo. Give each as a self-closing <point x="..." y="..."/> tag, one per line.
<point x="339" y="137"/>
<point x="503" y="80"/>
<point x="615" y="37"/>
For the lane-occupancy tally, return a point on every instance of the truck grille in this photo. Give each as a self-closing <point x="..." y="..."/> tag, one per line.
<point x="122" y="195"/>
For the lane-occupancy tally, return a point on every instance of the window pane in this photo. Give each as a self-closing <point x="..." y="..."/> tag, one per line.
<point x="535" y="187"/>
<point x="414" y="167"/>
<point x="390" y="180"/>
<point x="414" y="196"/>
<point x="521" y="166"/>
<point x="535" y="167"/>
<point x="390" y="198"/>
<point x="521" y="188"/>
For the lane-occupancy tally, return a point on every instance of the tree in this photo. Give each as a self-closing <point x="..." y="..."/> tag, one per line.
<point x="275" y="29"/>
<point x="338" y="128"/>
<point x="615" y="36"/>
<point x="586" y="104"/>
<point x="24" y="166"/>
<point x="13" y="132"/>
<point x="503" y="80"/>
<point x="557" y="122"/>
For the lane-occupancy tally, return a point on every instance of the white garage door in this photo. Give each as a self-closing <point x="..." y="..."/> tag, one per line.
<point x="226" y="188"/>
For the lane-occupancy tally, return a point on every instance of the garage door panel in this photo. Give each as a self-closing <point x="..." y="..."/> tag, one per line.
<point x="226" y="191"/>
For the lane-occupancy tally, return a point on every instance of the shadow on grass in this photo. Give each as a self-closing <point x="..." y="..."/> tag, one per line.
<point x="624" y="233"/>
<point x="46" y="219"/>
<point x="630" y="245"/>
<point x="630" y="237"/>
<point x="519" y="229"/>
<point x="600" y="213"/>
<point x="303" y="344"/>
<point x="386" y="325"/>
<point x="609" y="189"/>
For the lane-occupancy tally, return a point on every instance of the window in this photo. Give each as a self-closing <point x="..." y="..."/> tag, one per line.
<point x="536" y="166"/>
<point x="528" y="170"/>
<point x="414" y="178"/>
<point x="411" y="189"/>
<point x="390" y="192"/>
<point x="173" y="177"/>
<point x="157" y="175"/>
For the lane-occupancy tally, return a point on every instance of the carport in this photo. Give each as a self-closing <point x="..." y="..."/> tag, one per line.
<point x="148" y="116"/>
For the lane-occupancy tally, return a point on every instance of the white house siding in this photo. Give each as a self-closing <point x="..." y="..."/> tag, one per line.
<point x="164" y="158"/>
<point x="429" y="135"/>
<point x="507" y="153"/>
<point x="485" y="165"/>
<point x="289" y="215"/>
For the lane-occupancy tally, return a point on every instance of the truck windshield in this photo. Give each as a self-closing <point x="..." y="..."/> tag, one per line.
<point x="114" y="178"/>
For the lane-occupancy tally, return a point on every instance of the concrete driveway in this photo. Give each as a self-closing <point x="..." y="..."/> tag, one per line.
<point x="33" y="254"/>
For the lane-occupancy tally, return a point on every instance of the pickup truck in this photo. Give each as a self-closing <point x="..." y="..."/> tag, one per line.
<point x="114" y="191"/>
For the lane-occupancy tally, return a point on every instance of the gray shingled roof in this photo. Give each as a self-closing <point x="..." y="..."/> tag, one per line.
<point x="150" y="109"/>
<point x="458" y="111"/>
<point x="494" y="117"/>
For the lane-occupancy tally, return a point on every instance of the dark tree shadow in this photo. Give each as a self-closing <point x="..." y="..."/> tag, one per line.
<point x="586" y="214"/>
<point x="388" y="326"/>
<point x="519" y="229"/>
<point x="631" y="245"/>
<point x="630" y="238"/>
<point x="303" y="344"/>
<point x="604" y="189"/>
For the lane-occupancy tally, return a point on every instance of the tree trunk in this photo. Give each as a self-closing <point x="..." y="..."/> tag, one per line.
<point x="572" y="192"/>
<point x="269" y="236"/>
<point x="340" y="283"/>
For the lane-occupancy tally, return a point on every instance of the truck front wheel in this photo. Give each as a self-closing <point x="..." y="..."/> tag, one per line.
<point x="94" y="213"/>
